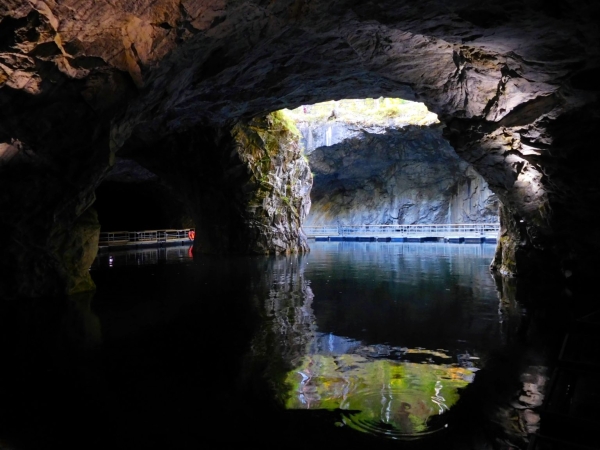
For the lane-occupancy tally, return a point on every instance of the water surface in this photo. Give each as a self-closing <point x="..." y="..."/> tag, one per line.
<point x="354" y="344"/>
<point x="386" y="333"/>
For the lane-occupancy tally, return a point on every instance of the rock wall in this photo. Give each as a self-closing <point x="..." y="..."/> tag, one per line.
<point x="382" y="175"/>
<point x="515" y="83"/>
<point x="48" y="234"/>
<point x="473" y="201"/>
<point x="246" y="187"/>
<point x="280" y="182"/>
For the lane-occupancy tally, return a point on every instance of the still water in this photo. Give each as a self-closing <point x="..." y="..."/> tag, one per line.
<point x="387" y="333"/>
<point x="385" y="336"/>
<point x="353" y="344"/>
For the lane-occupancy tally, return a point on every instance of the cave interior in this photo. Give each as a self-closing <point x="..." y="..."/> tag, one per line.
<point x="189" y="91"/>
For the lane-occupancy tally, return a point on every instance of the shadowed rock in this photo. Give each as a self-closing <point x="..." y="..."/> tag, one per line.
<point x="513" y="83"/>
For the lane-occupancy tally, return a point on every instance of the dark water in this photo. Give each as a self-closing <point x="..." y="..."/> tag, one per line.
<point x="354" y="344"/>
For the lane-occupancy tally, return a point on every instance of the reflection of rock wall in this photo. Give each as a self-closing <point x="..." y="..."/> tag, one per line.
<point x="408" y="176"/>
<point x="519" y="372"/>
<point x="292" y="320"/>
<point x="288" y="327"/>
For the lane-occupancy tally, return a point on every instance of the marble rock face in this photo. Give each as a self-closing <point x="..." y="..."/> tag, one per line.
<point x="407" y="175"/>
<point x="515" y="83"/>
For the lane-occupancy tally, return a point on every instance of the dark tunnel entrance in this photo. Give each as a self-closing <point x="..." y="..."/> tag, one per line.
<point x="132" y="198"/>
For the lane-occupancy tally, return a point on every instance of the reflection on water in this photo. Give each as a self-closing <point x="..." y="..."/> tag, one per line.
<point x="386" y="338"/>
<point x="388" y="397"/>
<point x="388" y="333"/>
<point x="143" y="256"/>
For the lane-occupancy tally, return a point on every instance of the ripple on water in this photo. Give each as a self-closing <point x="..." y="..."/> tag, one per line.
<point x="388" y="398"/>
<point x="393" y="417"/>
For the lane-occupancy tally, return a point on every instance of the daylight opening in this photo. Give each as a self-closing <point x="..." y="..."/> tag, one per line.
<point x="385" y="162"/>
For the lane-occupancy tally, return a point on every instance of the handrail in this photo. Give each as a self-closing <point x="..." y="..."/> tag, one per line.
<point x="144" y="236"/>
<point x="429" y="229"/>
<point x="319" y="230"/>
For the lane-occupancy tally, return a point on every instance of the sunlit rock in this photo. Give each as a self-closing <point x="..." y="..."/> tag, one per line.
<point x="383" y="161"/>
<point x="277" y="194"/>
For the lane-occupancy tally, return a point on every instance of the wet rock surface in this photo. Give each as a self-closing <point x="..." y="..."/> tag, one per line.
<point x="513" y="82"/>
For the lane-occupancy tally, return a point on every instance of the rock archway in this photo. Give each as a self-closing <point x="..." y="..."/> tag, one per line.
<point x="81" y="81"/>
<point x="133" y="198"/>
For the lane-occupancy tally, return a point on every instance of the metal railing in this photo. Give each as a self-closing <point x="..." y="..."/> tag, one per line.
<point x="430" y="230"/>
<point x="148" y="236"/>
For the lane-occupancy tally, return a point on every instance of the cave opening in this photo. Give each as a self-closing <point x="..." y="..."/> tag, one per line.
<point x="385" y="161"/>
<point x="185" y="89"/>
<point x="375" y="161"/>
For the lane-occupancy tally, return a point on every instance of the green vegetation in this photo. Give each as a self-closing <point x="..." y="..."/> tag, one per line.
<point x="283" y="120"/>
<point x="366" y="112"/>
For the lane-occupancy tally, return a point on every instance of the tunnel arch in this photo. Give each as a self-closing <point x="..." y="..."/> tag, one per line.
<point x="131" y="198"/>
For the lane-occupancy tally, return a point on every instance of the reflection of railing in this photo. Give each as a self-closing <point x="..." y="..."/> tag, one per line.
<point x="146" y="236"/>
<point x="142" y="255"/>
<point x="441" y="230"/>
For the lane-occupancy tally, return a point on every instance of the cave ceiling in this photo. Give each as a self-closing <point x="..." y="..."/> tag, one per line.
<point x="515" y="83"/>
<point x="156" y="67"/>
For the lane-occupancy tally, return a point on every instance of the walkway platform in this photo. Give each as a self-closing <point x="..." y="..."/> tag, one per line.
<point x="121" y="240"/>
<point x="450" y="239"/>
<point x="453" y="233"/>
